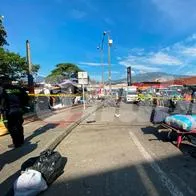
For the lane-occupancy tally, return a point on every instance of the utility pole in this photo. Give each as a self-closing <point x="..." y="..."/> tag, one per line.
<point x="100" y="47"/>
<point x="101" y="61"/>
<point x="110" y="41"/>
<point x="30" y="76"/>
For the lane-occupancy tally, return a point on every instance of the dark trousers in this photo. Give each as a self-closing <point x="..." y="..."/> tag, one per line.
<point x="117" y="110"/>
<point x="15" y="128"/>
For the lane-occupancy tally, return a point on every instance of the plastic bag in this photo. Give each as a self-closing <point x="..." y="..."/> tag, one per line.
<point x="50" y="164"/>
<point x="29" y="183"/>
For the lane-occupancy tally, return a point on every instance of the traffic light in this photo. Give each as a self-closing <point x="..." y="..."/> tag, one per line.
<point x="129" y="76"/>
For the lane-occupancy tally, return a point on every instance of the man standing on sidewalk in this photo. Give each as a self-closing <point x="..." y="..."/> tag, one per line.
<point x="13" y="101"/>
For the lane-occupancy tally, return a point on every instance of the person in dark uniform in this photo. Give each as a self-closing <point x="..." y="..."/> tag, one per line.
<point x="13" y="101"/>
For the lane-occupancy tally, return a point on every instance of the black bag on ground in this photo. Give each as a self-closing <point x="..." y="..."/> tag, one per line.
<point x="50" y="164"/>
<point x="159" y="114"/>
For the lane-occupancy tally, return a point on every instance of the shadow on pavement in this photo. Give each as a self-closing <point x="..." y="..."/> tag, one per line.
<point x="188" y="149"/>
<point x="42" y="130"/>
<point x="6" y="184"/>
<point x="185" y="147"/>
<point x="162" y="136"/>
<point x="15" y="154"/>
<point x="11" y="156"/>
<point x="174" y="175"/>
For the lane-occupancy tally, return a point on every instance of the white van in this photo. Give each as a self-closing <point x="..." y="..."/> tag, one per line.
<point x="176" y="87"/>
<point x="131" y="94"/>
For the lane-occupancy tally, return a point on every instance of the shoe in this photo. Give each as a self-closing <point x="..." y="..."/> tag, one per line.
<point x="11" y="146"/>
<point x="117" y="115"/>
<point x="19" y="145"/>
<point x="15" y="146"/>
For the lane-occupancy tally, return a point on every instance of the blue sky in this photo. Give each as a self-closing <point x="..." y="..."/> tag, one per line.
<point x="148" y="35"/>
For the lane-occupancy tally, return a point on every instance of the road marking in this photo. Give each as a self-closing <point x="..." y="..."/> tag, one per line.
<point x="162" y="175"/>
<point x="147" y="182"/>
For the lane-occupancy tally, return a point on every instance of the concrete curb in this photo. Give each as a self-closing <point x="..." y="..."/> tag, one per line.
<point x="68" y="130"/>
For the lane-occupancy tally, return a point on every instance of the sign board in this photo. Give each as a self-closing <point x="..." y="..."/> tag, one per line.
<point x="82" y="80"/>
<point x="82" y="75"/>
<point x="129" y="76"/>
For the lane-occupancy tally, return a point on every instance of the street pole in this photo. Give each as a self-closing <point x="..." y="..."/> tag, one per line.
<point x="30" y="77"/>
<point x="28" y="56"/>
<point x="100" y="47"/>
<point x="101" y="60"/>
<point x="109" y="62"/>
<point x="84" y="107"/>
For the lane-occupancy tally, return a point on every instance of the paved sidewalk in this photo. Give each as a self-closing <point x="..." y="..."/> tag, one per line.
<point x="39" y="135"/>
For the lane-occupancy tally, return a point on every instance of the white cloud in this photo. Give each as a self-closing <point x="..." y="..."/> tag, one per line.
<point x="178" y="58"/>
<point x="138" y="51"/>
<point x="190" y="51"/>
<point x="139" y="67"/>
<point x="112" y="72"/>
<point x="191" y="38"/>
<point x="88" y="4"/>
<point x="146" y="68"/>
<point x="42" y="75"/>
<point x="161" y="58"/>
<point x="92" y="64"/>
<point x="77" y="14"/>
<point x="109" y="21"/>
<point x="190" y="73"/>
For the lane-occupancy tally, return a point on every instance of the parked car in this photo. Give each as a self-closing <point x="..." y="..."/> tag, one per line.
<point x="170" y="94"/>
<point x="178" y="88"/>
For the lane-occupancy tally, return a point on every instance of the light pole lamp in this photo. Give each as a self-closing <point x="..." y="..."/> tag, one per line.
<point x="110" y="42"/>
<point x="100" y="47"/>
<point x="101" y="62"/>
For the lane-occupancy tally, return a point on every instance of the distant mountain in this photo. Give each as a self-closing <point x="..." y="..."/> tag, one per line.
<point x="39" y="79"/>
<point x="149" y="77"/>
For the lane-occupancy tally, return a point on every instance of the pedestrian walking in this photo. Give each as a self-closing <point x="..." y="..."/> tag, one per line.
<point x="118" y="101"/>
<point x="13" y="102"/>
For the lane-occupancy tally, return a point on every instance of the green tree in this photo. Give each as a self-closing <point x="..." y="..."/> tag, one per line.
<point x="63" y="71"/>
<point x="3" y="33"/>
<point x="13" y="65"/>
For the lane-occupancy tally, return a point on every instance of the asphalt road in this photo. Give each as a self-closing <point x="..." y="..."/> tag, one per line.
<point x="122" y="157"/>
